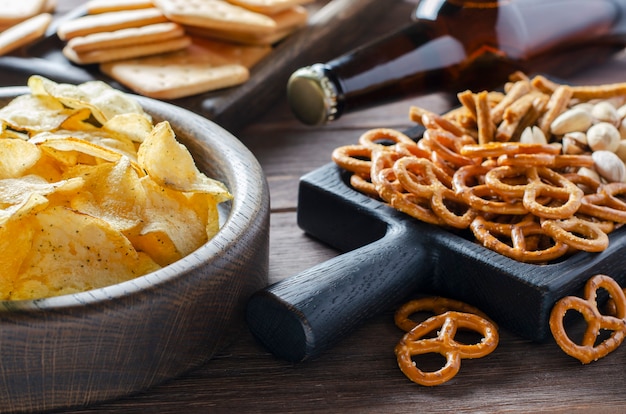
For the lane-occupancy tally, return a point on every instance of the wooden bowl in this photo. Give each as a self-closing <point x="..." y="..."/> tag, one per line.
<point x="78" y="349"/>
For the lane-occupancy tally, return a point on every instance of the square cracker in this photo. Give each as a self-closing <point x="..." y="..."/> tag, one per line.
<point x="15" y="11"/>
<point x="269" y="6"/>
<point x="176" y="75"/>
<point x="215" y="14"/>
<point x="107" y="22"/>
<point x="24" y="33"/>
<point x="157" y="32"/>
<point x="106" y="6"/>
<point x="126" y="52"/>
<point x="286" y="22"/>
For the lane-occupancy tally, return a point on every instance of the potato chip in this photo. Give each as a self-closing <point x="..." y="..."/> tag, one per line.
<point x="74" y="252"/>
<point x="171" y="165"/>
<point x="170" y="213"/>
<point x="104" y="101"/>
<point x="112" y="192"/>
<point x="15" y="242"/>
<point x="34" y="113"/>
<point x="135" y="127"/>
<point x="77" y="210"/>
<point x="67" y="147"/>
<point x="16" y="157"/>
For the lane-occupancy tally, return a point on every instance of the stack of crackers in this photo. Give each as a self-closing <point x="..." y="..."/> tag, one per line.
<point x="168" y="49"/>
<point x="22" y="22"/>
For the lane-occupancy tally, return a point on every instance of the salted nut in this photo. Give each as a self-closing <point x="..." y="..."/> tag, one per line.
<point x="575" y="119"/>
<point x="575" y="143"/>
<point x="609" y="166"/>
<point x="533" y="135"/>
<point x="605" y="112"/>
<point x="603" y="136"/>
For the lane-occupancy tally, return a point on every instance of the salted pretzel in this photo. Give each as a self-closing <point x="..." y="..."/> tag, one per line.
<point x="424" y="179"/>
<point x="546" y="182"/>
<point x="415" y="342"/>
<point x="390" y="190"/>
<point x="581" y="234"/>
<point x="514" y="241"/>
<point x="468" y="181"/>
<point x="433" y="304"/>
<point x="354" y="158"/>
<point x="605" y="204"/>
<point x="588" y="351"/>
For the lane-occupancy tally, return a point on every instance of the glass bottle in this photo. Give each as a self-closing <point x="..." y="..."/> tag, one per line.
<point x="452" y="45"/>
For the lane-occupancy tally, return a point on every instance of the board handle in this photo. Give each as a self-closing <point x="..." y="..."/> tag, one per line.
<point x="300" y="317"/>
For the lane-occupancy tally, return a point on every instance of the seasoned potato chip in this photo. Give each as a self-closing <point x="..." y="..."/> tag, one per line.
<point x="135" y="127"/>
<point x="112" y="192"/>
<point x="24" y="195"/>
<point x="171" y="165"/>
<point x="15" y="242"/>
<point x="170" y="212"/>
<point x="92" y="193"/>
<point x="34" y="113"/>
<point x="74" y="252"/>
<point x="16" y="157"/>
<point x="104" y="101"/>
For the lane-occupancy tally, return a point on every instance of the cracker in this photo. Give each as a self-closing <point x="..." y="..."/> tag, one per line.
<point x="216" y="14"/>
<point x="126" y="52"/>
<point x="16" y="11"/>
<point x="287" y="22"/>
<point x="106" y="6"/>
<point x="107" y="22"/>
<point x="176" y="75"/>
<point x="268" y="6"/>
<point x="245" y="55"/>
<point x="152" y="33"/>
<point x="24" y="33"/>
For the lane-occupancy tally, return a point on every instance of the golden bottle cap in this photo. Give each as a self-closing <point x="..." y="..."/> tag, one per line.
<point x="312" y="96"/>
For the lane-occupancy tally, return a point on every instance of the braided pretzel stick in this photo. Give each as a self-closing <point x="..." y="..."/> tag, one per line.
<point x="413" y="343"/>
<point x="588" y="351"/>
<point x="434" y="304"/>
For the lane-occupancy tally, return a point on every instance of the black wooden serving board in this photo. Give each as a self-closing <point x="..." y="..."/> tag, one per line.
<point x="389" y="257"/>
<point x="334" y="27"/>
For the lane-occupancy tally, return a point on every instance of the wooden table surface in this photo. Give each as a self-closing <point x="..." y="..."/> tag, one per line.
<point x="360" y="374"/>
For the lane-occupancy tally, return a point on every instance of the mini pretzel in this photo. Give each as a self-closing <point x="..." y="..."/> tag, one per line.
<point x="544" y="181"/>
<point x="382" y="137"/>
<point x="433" y="304"/>
<point x="575" y="232"/>
<point x="481" y="196"/>
<point x="588" y="351"/>
<point x="413" y="343"/>
<point x="385" y="182"/>
<point x="421" y="178"/>
<point x="604" y="204"/>
<point x="354" y="158"/>
<point x="517" y="247"/>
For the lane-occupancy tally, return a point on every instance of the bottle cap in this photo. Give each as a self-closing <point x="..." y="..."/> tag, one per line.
<point x="312" y="95"/>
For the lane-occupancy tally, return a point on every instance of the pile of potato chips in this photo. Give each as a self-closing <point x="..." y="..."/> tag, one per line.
<point x="93" y="193"/>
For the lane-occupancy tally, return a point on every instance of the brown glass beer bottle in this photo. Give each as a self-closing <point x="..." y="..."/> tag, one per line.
<point x="453" y="45"/>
